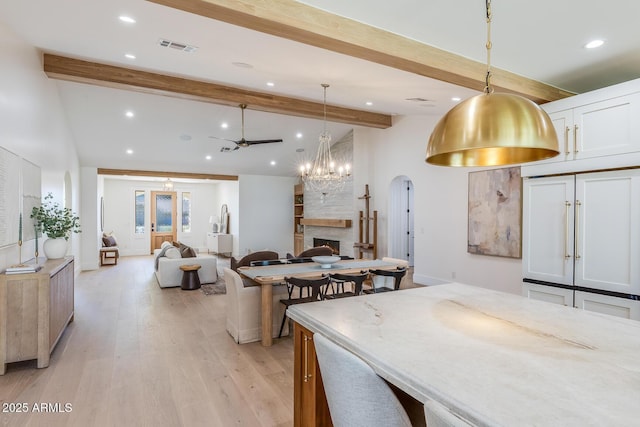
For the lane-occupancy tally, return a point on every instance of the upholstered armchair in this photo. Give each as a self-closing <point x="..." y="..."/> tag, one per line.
<point x="244" y="309"/>
<point x="254" y="256"/>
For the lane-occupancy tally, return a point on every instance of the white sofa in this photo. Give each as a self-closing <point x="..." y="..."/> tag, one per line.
<point x="169" y="274"/>
<point x="244" y="309"/>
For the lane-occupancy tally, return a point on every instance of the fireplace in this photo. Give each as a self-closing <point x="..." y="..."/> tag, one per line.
<point x="333" y="244"/>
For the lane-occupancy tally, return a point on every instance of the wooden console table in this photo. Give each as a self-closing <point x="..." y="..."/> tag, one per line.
<point x="35" y="309"/>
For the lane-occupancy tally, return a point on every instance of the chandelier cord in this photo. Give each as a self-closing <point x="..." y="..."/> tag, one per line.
<point x="487" y="88"/>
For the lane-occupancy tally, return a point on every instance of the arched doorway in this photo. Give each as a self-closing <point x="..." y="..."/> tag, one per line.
<point x="401" y="233"/>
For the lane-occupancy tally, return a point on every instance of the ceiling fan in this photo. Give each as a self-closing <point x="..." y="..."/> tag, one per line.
<point x="244" y="142"/>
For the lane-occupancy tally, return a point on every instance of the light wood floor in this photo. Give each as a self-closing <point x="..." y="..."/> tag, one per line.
<point x="138" y="355"/>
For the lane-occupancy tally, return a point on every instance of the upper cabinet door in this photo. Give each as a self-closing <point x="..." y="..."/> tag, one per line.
<point x="607" y="254"/>
<point x="563" y="124"/>
<point x="607" y="127"/>
<point x="547" y="229"/>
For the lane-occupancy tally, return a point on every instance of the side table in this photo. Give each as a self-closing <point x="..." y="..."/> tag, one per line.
<point x="190" y="279"/>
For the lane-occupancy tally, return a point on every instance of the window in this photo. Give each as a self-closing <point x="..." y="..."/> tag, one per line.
<point x="139" y="198"/>
<point x="186" y="212"/>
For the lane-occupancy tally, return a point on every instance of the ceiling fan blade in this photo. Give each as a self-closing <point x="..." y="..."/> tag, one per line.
<point x="262" y="141"/>
<point x="224" y="139"/>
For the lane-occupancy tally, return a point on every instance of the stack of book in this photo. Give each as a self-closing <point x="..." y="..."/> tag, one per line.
<point x="23" y="268"/>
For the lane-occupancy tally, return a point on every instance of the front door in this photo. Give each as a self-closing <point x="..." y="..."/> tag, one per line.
<point x="163" y="218"/>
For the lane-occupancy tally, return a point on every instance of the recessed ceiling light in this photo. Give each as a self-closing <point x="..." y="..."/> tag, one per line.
<point x="129" y="114"/>
<point x="129" y="151"/>
<point x="594" y="43"/>
<point x="208" y="157"/>
<point x="455" y="99"/>
<point x="224" y="125"/>
<point x="127" y="19"/>
<point x="271" y="84"/>
<point x="273" y="162"/>
<point x="299" y="135"/>
<point x="129" y="56"/>
<point x="242" y="64"/>
<point x="369" y="103"/>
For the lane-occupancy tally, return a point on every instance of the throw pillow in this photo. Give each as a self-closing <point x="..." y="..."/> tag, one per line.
<point x="109" y="241"/>
<point x="165" y="244"/>
<point x="187" y="252"/>
<point x="173" y="253"/>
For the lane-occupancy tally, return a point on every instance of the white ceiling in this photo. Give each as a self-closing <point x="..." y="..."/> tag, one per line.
<point x="542" y="40"/>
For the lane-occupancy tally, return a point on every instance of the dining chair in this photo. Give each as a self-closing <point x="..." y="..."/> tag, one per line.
<point x="436" y="415"/>
<point x="339" y="280"/>
<point x="356" y="395"/>
<point x="254" y="256"/>
<point x="385" y="280"/>
<point x="264" y="262"/>
<point x="311" y="287"/>
<point x="311" y="252"/>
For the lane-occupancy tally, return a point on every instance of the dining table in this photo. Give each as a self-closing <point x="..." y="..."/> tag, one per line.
<point x="269" y="275"/>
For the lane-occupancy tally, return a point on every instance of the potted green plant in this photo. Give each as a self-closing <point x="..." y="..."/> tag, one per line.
<point x="57" y="223"/>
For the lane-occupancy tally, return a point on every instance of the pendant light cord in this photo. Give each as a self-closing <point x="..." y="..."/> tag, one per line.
<point x="488" y="88"/>
<point x="325" y="86"/>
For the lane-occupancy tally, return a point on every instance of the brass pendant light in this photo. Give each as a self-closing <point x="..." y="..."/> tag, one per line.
<point x="492" y="129"/>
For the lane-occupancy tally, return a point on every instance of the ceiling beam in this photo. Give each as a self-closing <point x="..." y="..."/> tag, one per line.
<point x="75" y="70"/>
<point x="295" y="21"/>
<point x="156" y="174"/>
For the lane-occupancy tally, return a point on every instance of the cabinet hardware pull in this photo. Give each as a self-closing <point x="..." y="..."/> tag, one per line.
<point x="567" y="255"/>
<point x="566" y="140"/>
<point x="577" y="229"/>
<point x="575" y="139"/>
<point x="307" y="375"/>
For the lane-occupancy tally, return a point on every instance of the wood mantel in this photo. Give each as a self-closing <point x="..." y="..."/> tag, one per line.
<point x="326" y="222"/>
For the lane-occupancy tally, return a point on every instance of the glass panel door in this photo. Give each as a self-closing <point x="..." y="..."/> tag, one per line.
<point x="163" y="218"/>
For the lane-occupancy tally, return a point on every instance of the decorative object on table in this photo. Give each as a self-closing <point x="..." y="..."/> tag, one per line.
<point x="324" y="176"/>
<point x="492" y="129"/>
<point x="57" y="223"/>
<point x="224" y="220"/>
<point x="365" y="222"/>
<point x="326" y="261"/>
<point x="495" y="213"/>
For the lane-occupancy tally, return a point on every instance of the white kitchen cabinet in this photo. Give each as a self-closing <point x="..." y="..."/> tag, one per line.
<point x="605" y="304"/>
<point x="598" y="129"/>
<point x="220" y="243"/>
<point x="594" y="128"/>
<point x="582" y="230"/>
<point x="555" y="295"/>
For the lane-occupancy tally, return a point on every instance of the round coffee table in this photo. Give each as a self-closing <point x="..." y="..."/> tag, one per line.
<point x="190" y="279"/>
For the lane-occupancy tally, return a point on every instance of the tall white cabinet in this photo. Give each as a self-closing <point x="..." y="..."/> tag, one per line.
<point x="581" y="240"/>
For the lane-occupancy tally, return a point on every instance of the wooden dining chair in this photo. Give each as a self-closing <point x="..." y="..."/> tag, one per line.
<point x="356" y="395"/>
<point x="336" y="285"/>
<point x="385" y="280"/>
<point x="309" y="290"/>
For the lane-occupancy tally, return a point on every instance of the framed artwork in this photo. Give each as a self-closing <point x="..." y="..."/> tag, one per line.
<point x="495" y="213"/>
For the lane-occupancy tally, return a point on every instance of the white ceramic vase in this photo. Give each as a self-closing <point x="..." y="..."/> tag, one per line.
<point x="55" y="248"/>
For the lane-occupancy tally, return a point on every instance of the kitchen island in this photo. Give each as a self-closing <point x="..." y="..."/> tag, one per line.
<point x="490" y="357"/>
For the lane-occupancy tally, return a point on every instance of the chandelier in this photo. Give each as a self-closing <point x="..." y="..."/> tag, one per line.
<point x="324" y="176"/>
<point x="492" y="128"/>
<point x="167" y="185"/>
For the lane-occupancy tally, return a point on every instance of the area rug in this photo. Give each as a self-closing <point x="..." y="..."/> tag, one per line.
<point x="217" y="288"/>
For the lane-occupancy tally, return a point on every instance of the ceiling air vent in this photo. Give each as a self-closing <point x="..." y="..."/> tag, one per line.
<point x="178" y="46"/>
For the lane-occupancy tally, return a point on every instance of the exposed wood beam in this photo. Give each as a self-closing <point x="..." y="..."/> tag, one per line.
<point x="188" y="175"/>
<point x="75" y="70"/>
<point x="296" y="21"/>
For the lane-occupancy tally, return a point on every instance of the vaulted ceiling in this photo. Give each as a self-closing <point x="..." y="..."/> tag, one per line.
<point x="407" y="57"/>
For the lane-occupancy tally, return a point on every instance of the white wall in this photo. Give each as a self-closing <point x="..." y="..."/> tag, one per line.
<point x="119" y="215"/>
<point x="266" y="214"/>
<point x="228" y="193"/>
<point x="33" y="125"/>
<point x="440" y="195"/>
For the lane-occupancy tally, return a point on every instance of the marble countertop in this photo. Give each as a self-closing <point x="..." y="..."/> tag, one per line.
<point x="494" y="358"/>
